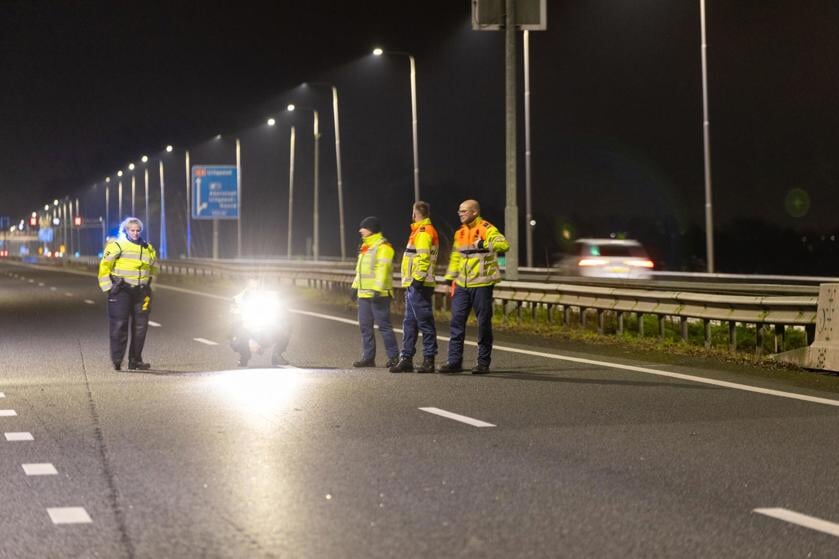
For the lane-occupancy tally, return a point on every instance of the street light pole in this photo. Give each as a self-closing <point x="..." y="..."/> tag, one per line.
<point x="337" y="125"/>
<point x="133" y="190"/>
<point x="527" y="168"/>
<point x="315" y="210"/>
<point x="291" y="142"/>
<point x="706" y="142"/>
<point x="163" y="248"/>
<point x="188" y="216"/>
<point x="238" y="199"/>
<point x="414" y="120"/>
<point x="119" y="197"/>
<point x="147" y="222"/>
<point x="107" y="204"/>
<point x="511" y="212"/>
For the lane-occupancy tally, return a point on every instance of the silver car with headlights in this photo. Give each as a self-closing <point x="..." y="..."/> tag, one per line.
<point x="607" y="258"/>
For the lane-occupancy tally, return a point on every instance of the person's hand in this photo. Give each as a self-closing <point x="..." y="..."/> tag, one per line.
<point x="452" y="288"/>
<point x="480" y="244"/>
<point x="353" y="295"/>
<point x="416" y="284"/>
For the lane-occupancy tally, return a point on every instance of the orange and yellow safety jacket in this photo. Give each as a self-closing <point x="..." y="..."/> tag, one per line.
<point x="420" y="257"/>
<point x="374" y="268"/>
<point x="473" y="262"/>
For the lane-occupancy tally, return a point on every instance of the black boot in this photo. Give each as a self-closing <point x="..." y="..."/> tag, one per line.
<point x="138" y="366"/>
<point x="405" y="365"/>
<point x="117" y="365"/>
<point x="365" y="363"/>
<point x="392" y="362"/>
<point x="427" y="365"/>
<point x="447" y="368"/>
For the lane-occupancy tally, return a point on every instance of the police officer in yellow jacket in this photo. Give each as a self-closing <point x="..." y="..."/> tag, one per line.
<point x="126" y="272"/>
<point x="418" y="263"/>
<point x="474" y="270"/>
<point x="373" y="287"/>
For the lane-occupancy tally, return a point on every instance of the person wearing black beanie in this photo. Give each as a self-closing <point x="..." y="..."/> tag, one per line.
<point x="373" y="289"/>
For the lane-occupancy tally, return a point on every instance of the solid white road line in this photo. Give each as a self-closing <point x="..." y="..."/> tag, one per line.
<point x="21" y="436"/>
<point x="8" y="413"/>
<point x="458" y="417"/>
<point x="2" y="394"/>
<point x="89" y="302"/>
<point x="69" y="515"/>
<point x="53" y="288"/>
<point x="205" y="341"/>
<point x="680" y="376"/>
<point x="802" y="520"/>
<point x="154" y="324"/>
<point x="45" y="469"/>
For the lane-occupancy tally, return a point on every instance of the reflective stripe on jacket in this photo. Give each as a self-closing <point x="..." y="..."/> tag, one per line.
<point x="135" y="263"/>
<point x="420" y="257"/>
<point x="471" y="266"/>
<point x="374" y="268"/>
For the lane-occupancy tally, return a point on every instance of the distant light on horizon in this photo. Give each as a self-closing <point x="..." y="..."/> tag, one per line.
<point x="55" y="202"/>
<point x="144" y="159"/>
<point x="290" y="107"/>
<point x="107" y="179"/>
<point x="377" y="51"/>
<point x="119" y="173"/>
<point x="169" y="148"/>
<point x="218" y="136"/>
<point x="271" y="122"/>
<point x="130" y="166"/>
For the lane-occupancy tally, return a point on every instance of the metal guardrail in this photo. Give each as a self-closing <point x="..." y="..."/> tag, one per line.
<point x="562" y="301"/>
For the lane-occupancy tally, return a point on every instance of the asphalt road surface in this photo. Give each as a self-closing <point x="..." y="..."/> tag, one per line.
<point x="554" y="454"/>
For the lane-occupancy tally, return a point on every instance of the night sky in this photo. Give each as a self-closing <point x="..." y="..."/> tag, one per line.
<point x="87" y="87"/>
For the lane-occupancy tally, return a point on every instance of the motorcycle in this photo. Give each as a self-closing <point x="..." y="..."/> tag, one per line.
<point x="260" y="322"/>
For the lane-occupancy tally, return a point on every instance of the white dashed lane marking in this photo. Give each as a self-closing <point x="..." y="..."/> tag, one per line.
<point x="53" y="288"/>
<point x="205" y="341"/>
<point x="2" y="394"/>
<point x="31" y="281"/>
<point x="458" y="417"/>
<point x="68" y="294"/>
<point x="802" y="520"/>
<point x="8" y="413"/>
<point x="89" y="302"/>
<point x="45" y="469"/>
<point x="40" y="284"/>
<point x="21" y="436"/>
<point x="69" y="515"/>
<point x="154" y="324"/>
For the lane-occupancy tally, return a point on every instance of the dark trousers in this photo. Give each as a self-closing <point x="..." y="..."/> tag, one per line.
<point x="419" y="316"/>
<point x="129" y="307"/>
<point x="464" y="300"/>
<point x="376" y="310"/>
<point x="240" y="341"/>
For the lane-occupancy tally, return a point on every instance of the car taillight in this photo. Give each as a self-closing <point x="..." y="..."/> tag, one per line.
<point x="641" y="263"/>
<point x="592" y="262"/>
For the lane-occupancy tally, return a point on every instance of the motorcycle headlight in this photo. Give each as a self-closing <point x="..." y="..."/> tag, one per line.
<point x="260" y="310"/>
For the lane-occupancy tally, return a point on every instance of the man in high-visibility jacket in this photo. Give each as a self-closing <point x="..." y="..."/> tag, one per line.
<point x="126" y="272"/>
<point x="418" y="263"/>
<point x="373" y="288"/>
<point x="474" y="271"/>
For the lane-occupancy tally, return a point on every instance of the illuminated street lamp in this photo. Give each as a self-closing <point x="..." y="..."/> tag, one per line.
<point x="337" y="125"/>
<point x="380" y="52"/>
<point x="315" y="214"/>
<point x="271" y="122"/>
